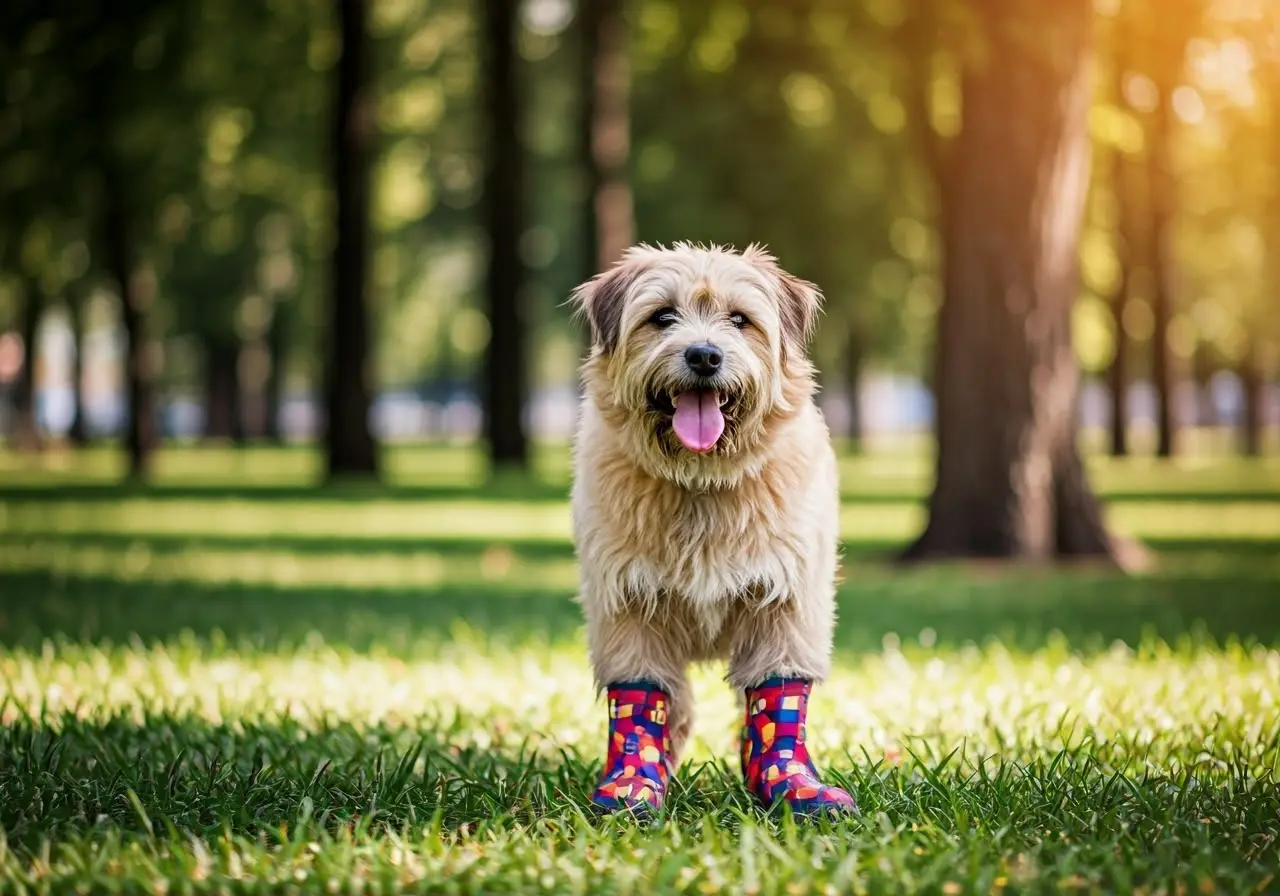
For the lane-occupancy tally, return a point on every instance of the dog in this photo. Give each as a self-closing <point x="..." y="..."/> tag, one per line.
<point x="705" y="506"/>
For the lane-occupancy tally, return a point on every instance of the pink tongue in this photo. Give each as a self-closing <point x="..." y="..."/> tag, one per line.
<point x="698" y="422"/>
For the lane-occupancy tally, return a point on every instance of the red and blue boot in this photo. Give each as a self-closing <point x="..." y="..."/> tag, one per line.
<point x="775" y="760"/>
<point x="636" y="767"/>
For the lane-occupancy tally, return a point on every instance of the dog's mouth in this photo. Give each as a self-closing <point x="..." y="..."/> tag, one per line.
<point x="697" y="417"/>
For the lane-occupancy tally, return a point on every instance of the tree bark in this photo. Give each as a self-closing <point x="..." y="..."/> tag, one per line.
<point x="349" y="444"/>
<point x="609" y="228"/>
<point x="224" y="412"/>
<point x="1009" y="480"/>
<point x="78" y="433"/>
<point x="505" y="374"/>
<point x="27" y="432"/>
<point x="140" y="437"/>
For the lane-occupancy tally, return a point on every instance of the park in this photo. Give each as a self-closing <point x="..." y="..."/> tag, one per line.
<point x="290" y="376"/>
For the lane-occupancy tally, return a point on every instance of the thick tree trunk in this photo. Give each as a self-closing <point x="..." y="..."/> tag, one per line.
<point x="505" y="374"/>
<point x="224" y="413"/>
<point x="609" y="227"/>
<point x="27" y="433"/>
<point x="349" y="444"/>
<point x="1009" y="480"/>
<point x="140" y="437"/>
<point x="78" y="433"/>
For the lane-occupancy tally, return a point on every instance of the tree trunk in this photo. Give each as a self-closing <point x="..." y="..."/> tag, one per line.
<point x="609" y="228"/>
<point x="277" y="349"/>
<point x="854" y="352"/>
<point x="224" y="413"/>
<point x="1118" y="372"/>
<point x="78" y="433"/>
<point x="140" y="437"/>
<point x="1009" y="481"/>
<point x="1127" y="224"/>
<point x="27" y="434"/>
<point x="349" y="444"/>
<point x="1163" y="207"/>
<point x="505" y="374"/>
<point x="919" y="37"/>
<point x="1251" y="382"/>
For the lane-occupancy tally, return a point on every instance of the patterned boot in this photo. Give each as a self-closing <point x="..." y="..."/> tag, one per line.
<point x="775" y="760"/>
<point x="636" y="767"/>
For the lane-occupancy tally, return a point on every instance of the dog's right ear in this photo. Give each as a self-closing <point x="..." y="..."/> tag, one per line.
<point x="602" y="299"/>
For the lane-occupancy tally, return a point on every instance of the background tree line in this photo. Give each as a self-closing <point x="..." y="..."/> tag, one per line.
<point x="365" y="195"/>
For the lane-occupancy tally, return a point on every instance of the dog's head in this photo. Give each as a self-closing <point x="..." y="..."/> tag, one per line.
<point x="695" y="351"/>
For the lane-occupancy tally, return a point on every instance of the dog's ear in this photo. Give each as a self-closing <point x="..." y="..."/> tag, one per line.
<point x="603" y="297"/>
<point x="799" y="301"/>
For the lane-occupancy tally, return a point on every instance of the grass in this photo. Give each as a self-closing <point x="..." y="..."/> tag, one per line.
<point x="232" y="683"/>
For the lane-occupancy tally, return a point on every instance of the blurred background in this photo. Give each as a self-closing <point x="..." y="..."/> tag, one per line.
<point x="174" y="267"/>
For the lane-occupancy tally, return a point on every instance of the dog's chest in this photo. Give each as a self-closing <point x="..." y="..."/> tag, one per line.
<point x="710" y="549"/>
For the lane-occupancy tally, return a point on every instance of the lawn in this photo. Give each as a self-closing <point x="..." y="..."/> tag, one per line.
<point x="231" y="682"/>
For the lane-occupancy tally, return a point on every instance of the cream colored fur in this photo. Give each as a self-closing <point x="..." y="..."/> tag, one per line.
<point x="684" y="557"/>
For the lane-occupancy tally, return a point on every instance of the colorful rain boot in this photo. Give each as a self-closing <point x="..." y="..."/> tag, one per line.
<point x="775" y="760"/>
<point x="636" y="767"/>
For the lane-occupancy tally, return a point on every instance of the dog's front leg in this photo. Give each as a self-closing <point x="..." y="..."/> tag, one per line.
<point x="640" y="662"/>
<point x="778" y="652"/>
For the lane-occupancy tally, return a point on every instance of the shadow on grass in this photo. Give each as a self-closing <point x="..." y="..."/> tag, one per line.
<point x="1215" y="593"/>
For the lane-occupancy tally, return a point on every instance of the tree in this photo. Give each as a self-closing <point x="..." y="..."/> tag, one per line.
<point x="1169" y="27"/>
<point x="505" y="374"/>
<point x="1128" y="252"/>
<point x="349" y="444"/>
<point x="28" y="433"/>
<point x="1009" y="479"/>
<point x="1261" y="324"/>
<point x="78" y="432"/>
<point x="1126" y="249"/>
<point x="1163" y="211"/>
<point x="605" y="133"/>
<point x="135" y="298"/>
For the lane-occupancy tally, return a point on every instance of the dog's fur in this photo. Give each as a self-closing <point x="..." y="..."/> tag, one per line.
<point x="688" y="557"/>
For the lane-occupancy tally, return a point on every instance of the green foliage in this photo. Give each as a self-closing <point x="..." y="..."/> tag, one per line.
<point x="805" y="125"/>
<point x="211" y="687"/>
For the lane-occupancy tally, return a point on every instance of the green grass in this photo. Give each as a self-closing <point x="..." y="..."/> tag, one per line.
<point x="233" y="683"/>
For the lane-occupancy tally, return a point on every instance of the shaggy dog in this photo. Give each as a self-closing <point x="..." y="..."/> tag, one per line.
<point x="705" y="513"/>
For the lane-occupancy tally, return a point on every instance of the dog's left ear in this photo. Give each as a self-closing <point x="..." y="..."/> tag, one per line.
<point x="799" y="301"/>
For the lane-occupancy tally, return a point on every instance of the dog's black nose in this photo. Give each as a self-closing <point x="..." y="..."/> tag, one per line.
<point x="703" y="358"/>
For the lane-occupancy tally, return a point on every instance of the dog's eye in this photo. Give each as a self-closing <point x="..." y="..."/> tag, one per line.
<point x="664" y="318"/>
<point x="738" y="319"/>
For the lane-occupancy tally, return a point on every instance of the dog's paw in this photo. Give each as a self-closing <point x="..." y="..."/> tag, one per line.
<point x="787" y="781"/>
<point x="639" y="791"/>
<point x="637" y="766"/>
